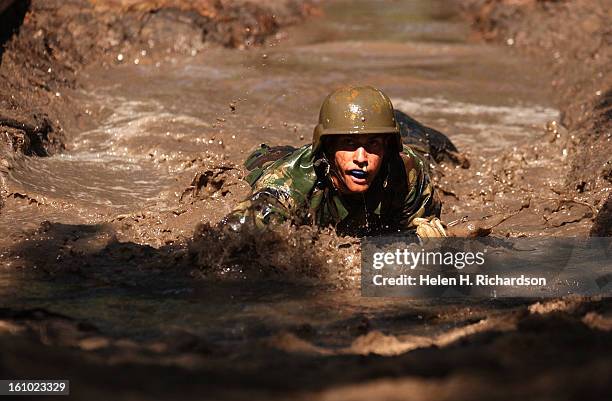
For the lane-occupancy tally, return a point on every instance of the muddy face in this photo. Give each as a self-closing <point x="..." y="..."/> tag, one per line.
<point x="357" y="161"/>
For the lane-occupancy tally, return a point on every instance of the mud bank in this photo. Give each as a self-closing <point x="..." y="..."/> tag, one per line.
<point x="45" y="44"/>
<point x="573" y="39"/>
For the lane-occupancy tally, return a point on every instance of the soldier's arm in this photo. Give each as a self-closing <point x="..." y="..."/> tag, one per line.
<point x="265" y="206"/>
<point x="279" y="188"/>
<point x="276" y="198"/>
<point x="422" y="206"/>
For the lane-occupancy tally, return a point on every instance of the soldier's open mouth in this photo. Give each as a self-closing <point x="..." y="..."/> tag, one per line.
<point x="359" y="174"/>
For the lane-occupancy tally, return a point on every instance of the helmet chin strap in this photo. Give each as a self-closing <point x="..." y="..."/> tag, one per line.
<point x="343" y="188"/>
<point x="325" y="170"/>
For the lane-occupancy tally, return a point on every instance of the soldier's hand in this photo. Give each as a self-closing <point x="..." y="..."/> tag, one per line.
<point x="429" y="227"/>
<point x="234" y="222"/>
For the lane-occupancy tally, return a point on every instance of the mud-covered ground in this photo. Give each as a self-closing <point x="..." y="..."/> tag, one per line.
<point x="573" y="40"/>
<point x="47" y="43"/>
<point x="124" y="125"/>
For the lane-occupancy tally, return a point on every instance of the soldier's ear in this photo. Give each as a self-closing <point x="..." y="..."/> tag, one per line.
<point x="393" y="146"/>
<point x="389" y="145"/>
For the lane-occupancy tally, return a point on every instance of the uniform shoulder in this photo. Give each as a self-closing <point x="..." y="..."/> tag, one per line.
<point x="411" y="158"/>
<point x="293" y="172"/>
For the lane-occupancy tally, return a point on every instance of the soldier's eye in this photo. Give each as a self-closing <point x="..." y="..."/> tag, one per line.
<point x="375" y="143"/>
<point x="346" y="142"/>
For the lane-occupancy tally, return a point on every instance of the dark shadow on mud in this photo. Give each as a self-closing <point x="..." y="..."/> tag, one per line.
<point x="11" y="18"/>
<point x="86" y="266"/>
<point x="92" y="254"/>
<point x="505" y="364"/>
<point x="274" y="361"/>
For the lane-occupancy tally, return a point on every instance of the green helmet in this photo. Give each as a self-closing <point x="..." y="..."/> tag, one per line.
<point x="356" y="110"/>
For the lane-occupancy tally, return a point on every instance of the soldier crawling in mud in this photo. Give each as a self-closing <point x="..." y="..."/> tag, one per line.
<point x="357" y="175"/>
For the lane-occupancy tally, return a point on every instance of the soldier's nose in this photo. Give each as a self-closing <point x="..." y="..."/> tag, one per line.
<point x="360" y="156"/>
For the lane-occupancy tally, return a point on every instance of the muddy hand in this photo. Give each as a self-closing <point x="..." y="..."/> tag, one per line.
<point x="239" y="222"/>
<point x="429" y="227"/>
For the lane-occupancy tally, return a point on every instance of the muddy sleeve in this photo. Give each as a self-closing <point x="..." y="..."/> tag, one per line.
<point x="277" y="196"/>
<point x="265" y="206"/>
<point x="426" y="204"/>
<point x="421" y="199"/>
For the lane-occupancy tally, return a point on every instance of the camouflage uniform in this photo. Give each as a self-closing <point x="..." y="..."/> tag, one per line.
<point x="295" y="184"/>
<point x="298" y="187"/>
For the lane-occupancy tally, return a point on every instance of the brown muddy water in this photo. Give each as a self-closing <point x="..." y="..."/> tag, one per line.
<point x="158" y="122"/>
<point x="157" y="115"/>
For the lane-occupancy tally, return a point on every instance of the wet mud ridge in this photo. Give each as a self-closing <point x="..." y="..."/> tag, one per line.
<point x="573" y="39"/>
